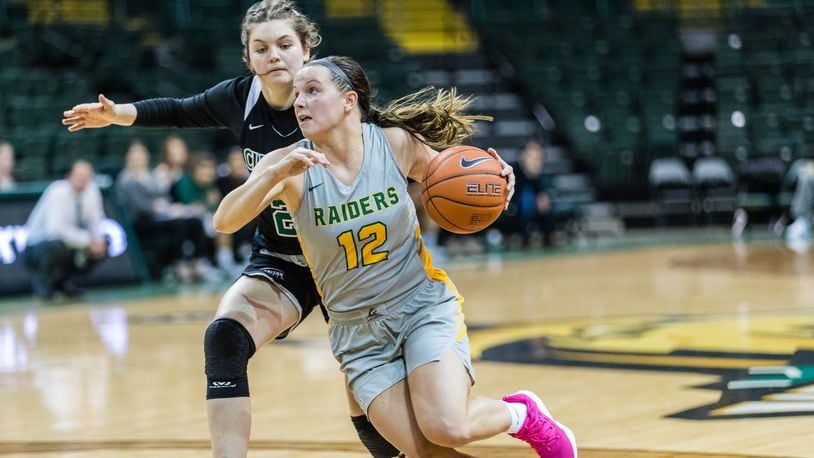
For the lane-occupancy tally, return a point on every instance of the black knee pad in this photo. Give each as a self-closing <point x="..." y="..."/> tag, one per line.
<point x="372" y="440"/>
<point x="227" y="347"/>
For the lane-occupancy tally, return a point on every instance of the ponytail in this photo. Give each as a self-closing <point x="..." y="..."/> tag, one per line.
<point x="435" y="115"/>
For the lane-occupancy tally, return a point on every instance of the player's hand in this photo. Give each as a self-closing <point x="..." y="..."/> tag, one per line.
<point x="508" y="172"/>
<point x="90" y="115"/>
<point x="298" y="160"/>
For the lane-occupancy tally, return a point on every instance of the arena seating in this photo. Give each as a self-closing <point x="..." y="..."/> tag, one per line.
<point x="611" y="75"/>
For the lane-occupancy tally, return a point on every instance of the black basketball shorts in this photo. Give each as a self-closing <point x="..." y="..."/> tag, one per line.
<point x="293" y="279"/>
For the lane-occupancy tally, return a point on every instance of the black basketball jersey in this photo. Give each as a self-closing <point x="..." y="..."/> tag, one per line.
<point x="238" y="105"/>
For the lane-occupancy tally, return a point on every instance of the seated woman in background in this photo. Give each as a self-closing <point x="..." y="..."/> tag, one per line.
<point x="173" y="165"/>
<point x="170" y="233"/>
<point x="198" y="188"/>
<point x="233" y="249"/>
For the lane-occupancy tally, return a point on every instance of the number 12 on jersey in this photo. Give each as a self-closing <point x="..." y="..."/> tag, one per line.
<point x="369" y="238"/>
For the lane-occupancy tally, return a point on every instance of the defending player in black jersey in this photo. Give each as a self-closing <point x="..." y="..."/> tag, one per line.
<point x="276" y="291"/>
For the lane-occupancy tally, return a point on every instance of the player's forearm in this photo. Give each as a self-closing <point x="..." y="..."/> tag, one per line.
<point x="169" y="112"/>
<point x="245" y="202"/>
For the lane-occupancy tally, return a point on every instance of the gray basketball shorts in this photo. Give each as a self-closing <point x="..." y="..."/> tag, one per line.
<point x="379" y="346"/>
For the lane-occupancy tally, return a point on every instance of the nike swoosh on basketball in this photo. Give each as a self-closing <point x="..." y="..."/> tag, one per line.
<point x="251" y="127"/>
<point x="467" y="164"/>
<point x="311" y="188"/>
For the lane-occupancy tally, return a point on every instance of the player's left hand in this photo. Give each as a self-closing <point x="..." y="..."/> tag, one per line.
<point x="507" y="172"/>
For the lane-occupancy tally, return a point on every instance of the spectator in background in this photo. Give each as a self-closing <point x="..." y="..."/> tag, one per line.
<point x="798" y="233"/>
<point x="173" y="165"/>
<point x="534" y="212"/>
<point x="198" y="186"/>
<point x="170" y="232"/>
<point x="198" y="189"/>
<point x="8" y="179"/>
<point x="233" y="172"/>
<point x="233" y="248"/>
<point x="65" y="233"/>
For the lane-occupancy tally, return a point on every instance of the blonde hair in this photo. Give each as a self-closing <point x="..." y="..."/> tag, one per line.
<point x="269" y="10"/>
<point x="434" y="116"/>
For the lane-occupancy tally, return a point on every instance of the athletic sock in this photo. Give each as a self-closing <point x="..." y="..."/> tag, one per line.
<point x="518" y="411"/>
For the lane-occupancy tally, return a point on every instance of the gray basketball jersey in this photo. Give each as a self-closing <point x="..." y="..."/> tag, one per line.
<point x="362" y="241"/>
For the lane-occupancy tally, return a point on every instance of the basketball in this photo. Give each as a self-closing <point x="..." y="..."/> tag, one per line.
<point x="462" y="189"/>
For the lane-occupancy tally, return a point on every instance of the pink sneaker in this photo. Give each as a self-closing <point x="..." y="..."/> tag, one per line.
<point x="547" y="437"/>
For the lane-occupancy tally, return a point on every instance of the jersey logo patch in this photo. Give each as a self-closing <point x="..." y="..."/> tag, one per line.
<point x="253" y="127"/>
<point x="467" y="164"/>
<point x="311" y="188"/>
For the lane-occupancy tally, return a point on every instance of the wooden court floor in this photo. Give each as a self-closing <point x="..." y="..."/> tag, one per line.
<point x="664" y="351"/>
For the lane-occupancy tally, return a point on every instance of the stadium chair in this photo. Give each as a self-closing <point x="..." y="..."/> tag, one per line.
<point x="569" y="192"/>
<point x="733" y="89"/>
<point x="32" y="168"/>
<point x="760" y="183"/>
<point x="671" y="186"/>
<point x="715" y="187"/>
<point x="615" y="173"/>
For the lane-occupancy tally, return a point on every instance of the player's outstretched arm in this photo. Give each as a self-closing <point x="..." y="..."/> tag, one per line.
<point x="99" y="114"/>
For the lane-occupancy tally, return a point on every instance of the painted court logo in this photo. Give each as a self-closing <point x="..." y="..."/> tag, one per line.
<point x="765" y="365"/>
<point x="762" y="392"/>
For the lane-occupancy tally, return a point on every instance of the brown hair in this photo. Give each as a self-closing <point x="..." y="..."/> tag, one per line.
<point x="201" y="158"/>
<point x="435" y="116"/>
<point x="165" y="148"/>
<point x="269" y="10"/>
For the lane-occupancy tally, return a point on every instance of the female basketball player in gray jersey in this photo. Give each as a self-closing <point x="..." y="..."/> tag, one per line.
<point x="276" y="290"/>
<point x="397" y="327"/>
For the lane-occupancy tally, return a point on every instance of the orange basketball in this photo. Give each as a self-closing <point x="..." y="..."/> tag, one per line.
<point x="463" y="190"/>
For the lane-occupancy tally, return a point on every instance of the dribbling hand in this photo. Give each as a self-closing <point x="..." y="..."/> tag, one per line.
<point x="508" y="172"/>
